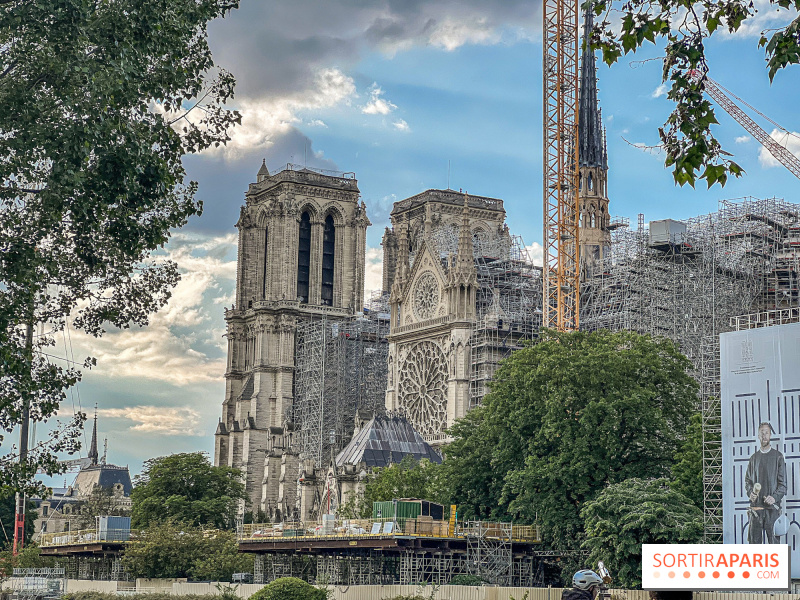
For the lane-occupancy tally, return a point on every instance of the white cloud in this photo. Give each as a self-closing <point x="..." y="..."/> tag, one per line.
<point x="742" y="139"/>
<point x="661" y="90"/>
<point x="317" y="123"/>
<point x="373" y="271"/>
<point x="401" y="125"/>
<point x="183" y="343"/>
<point x="766" y="17"/>
<point x="377" y="105"/>
<point x="451" y="34"/>
<point x="265" y="117"/>
<point x="158" y="419"/>
<point x="790" y="141"/>
<point x="536" y="253"/>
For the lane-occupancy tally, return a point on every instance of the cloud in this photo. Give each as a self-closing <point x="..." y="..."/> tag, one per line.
<point x="401" y="125"/>
<point x="536" y="253"/>
<point x="165" y="420"/>
<point x="317" y="123"/>
<point x="661" y="90"/>
<point x="377" y="105"/>
<point x="767" y="16"/>
<point x="743" y="139"/>
<point x="184" y="343"/>
<point x="373" y="271"/>
<point x="790" y="141"/>
<point x="265" y="118"/>
<point x="298" y="59"/>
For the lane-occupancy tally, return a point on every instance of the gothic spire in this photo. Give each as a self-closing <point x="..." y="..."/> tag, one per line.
<point x="592" y="148"/>
<point x="93" y="455"/>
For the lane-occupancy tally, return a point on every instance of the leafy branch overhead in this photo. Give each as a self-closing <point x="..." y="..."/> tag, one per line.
<point x="691" y="148"/>
<point x="99" y="102"/>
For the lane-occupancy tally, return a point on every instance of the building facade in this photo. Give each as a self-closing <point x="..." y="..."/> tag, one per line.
<point x="301" y="256"/>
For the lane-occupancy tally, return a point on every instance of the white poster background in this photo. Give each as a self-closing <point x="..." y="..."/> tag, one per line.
<point x="760" y="381"/>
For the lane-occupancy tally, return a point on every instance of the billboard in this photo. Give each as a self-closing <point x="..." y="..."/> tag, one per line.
<point x="760" y="397"/>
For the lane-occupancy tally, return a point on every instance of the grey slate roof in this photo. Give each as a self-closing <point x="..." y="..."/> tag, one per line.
<point x="384" y="441"/>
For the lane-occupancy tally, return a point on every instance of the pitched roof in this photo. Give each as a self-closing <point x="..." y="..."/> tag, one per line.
<point x="385" y="441"/>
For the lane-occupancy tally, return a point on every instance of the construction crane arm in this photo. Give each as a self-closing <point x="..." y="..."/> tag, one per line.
<point x="781" y="154"/>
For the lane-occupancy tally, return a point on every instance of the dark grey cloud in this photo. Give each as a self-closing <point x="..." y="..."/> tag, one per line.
<point x="275" y="48"/>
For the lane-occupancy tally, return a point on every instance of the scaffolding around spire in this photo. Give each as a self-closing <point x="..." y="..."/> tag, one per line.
<point x="592" y="148"/>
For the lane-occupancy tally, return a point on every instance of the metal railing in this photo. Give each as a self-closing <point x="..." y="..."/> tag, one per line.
<point x="375" y="528"/>
<point x="83" y="536"/>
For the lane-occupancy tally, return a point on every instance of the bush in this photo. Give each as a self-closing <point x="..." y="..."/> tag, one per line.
<point x="466" y="579"/>
<point x="289" y="588"/>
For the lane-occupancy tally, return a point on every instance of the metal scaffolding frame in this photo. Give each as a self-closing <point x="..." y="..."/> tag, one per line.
<point x="341" y="366"/>
<point x="508" y="309"/>
<point x="489" y="553"/>
<point x="692" y="285"/>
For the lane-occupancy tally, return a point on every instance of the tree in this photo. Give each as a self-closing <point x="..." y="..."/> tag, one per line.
<point x="565" y="418"/>
<point x="289" y="588"/>
<point x="691" y="149"/>
<point x="99" y="102"/>
<point x="101" y="502"/>
<point x="186" y="488"/>
<point x="634" y="512"/>
<point x="687" y="472"/>
<point x="175" y="550"/>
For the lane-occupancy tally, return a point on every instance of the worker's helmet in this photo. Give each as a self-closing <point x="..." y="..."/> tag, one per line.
<point x="584" y="579"/>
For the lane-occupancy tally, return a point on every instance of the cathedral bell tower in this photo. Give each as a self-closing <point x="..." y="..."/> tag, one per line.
<point x="302" y="235"/>
<point x="595" y="233"/>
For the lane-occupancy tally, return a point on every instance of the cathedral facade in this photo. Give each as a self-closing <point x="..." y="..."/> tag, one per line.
<point x="301" y="256"/>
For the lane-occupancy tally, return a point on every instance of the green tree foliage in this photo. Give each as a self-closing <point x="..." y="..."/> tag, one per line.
<point x="566" y="417"/>
<point x="186" y="488"/>
<point x="290" y="588"/>
<point x="30" y="558"/>
<point x="406" y="479"/>
<point x="101" y="502"/>
<point x="628" y="514"/>
<point x="99" y="102"/>
<point x="691" y="149"/>
<point x="177" y="550"/>
<point x="7" y="518"/>
<point x="687" y="472"/>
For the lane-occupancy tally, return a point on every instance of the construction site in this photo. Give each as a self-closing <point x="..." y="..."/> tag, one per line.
<point x="340" y="368"/>
<point x="395" y="551"/>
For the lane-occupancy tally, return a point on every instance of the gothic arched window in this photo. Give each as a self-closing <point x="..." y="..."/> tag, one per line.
<point x="590" y="183"/>
<point x="303" y="257"/>
<point x="266" y="262"/>
<point x="328" y="247"/>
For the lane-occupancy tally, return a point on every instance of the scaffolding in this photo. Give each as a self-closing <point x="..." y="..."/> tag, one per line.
<point x="489" y="553"/>
<point x="39" y="583"/>
<point x="508" y="307"/>
<point x="690" y="281"/>
<point x="341" y="366"/>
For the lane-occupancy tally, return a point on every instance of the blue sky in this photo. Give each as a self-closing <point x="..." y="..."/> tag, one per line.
<point x="392" y="91"/>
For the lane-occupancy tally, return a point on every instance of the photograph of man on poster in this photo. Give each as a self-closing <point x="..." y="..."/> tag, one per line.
<point x="765" y="484"/>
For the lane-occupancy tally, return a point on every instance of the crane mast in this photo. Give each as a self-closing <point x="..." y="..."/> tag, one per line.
<point x="561" y="274"/>
<point x="781" y="154"/>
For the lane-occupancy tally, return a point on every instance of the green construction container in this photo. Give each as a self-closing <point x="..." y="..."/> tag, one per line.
<point x="383" y="510"/>
<point x="407" y="508"/>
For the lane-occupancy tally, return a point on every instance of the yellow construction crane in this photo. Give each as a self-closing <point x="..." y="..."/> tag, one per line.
<point x="561" y="274"/>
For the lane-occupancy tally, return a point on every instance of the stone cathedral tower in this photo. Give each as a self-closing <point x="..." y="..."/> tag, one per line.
<point x="595" y="234"/>
<point x="301" y="256"/>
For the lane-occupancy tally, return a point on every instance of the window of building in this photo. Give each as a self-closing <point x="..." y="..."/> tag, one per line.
<point x="590" y="183"/>
<point x="266" y="262"/>
<point x="44" y="510"/>
<point x="304" y="258"/>
<point x="328" y="248"/>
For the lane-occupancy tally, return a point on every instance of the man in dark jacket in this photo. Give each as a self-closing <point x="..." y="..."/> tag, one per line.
<point x="586" y="584"/>
<point x="765" y="485"/>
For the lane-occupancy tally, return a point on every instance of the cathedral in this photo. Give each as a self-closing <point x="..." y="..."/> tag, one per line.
<point x="460" y="292"/>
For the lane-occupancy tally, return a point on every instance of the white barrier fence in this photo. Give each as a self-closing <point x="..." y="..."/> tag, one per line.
<point x="378" y="592"/>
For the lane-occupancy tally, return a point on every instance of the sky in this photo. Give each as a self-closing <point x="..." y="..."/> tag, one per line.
<point x="409" y="95"/>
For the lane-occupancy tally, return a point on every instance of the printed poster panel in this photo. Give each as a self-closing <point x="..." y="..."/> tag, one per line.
<point x="760" y="378"/>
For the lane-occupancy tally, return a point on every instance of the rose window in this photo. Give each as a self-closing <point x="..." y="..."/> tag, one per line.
<point x="423" y="388"/>
<point x="426" y="296"/>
